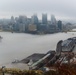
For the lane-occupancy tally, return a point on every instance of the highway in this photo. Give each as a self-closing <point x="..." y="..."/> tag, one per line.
<point x="74" y="50"/>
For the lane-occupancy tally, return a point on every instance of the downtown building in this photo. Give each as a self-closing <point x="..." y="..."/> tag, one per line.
<point x="44" y="18"/>
<point x="33" y="26"/>
<point x="52" y="27"/>
<point x="43" y="25"/>
<point x="20" y="24"/>
<point x="59" y="25"/>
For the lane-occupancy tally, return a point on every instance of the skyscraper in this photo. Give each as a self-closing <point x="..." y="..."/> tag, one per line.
<point x="12" y="20"/>
<point x="53" y="20"/>
<point x="22" y="19"/>
<point x="60" y="25"/>
<point x="44" y="18"/>
<point x="34" y="19"/>
<point x="22" y="22"/>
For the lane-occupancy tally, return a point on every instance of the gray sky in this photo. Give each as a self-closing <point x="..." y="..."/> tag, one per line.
<point x="62" y="9"/>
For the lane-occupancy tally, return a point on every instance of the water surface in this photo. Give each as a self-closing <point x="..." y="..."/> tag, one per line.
<point x="21" y="45"/>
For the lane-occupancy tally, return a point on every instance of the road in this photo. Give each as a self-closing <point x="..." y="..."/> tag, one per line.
<point x="74" y="49"/>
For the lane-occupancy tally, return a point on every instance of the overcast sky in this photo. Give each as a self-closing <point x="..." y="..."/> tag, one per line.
<point x="62" y="9"/>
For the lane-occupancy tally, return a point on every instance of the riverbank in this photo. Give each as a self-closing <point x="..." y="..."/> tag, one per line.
<point x="40" y="33"/>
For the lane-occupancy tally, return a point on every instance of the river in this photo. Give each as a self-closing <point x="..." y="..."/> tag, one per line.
<point x="20" y="45"/>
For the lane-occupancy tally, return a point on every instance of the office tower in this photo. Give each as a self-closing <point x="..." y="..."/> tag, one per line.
<point x="22" y="19"/>
<point x="44" y="18"/>
<point x="34" y="19"/>
<point x="53" y="20"/>
<point x="12" y="20"/>
<point x="60" y="25"/>
<point x="22" y="22"/>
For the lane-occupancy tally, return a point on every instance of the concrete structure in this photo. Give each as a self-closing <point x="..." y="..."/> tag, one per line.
<point x="68" y="45"/>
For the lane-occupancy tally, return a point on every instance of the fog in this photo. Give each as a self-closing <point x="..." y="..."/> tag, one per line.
<point x="62" y="9"/>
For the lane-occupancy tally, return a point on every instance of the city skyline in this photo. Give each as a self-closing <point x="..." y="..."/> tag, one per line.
<point x="63" y="9"/>
<point x="31" y="25"/>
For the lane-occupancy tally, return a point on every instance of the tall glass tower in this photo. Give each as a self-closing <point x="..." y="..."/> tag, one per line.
<point x="44" y="18"/>
<point x="34" y="19"/>
<point x="53" y="20"/>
